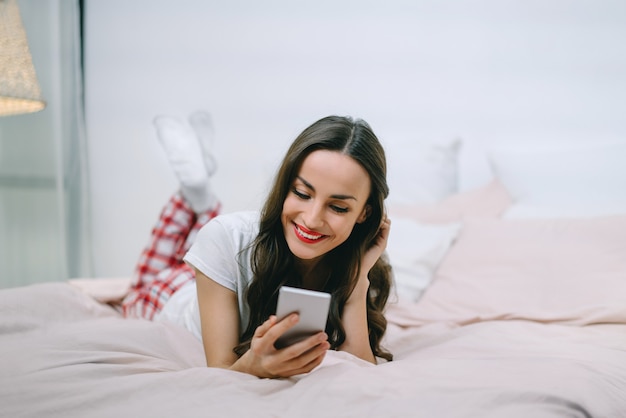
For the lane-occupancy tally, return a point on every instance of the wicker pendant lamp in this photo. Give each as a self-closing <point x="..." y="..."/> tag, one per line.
<point x="19" y="89"/>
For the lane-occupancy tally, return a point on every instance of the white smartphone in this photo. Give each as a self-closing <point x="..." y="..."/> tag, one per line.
<point x="312" y="306"/>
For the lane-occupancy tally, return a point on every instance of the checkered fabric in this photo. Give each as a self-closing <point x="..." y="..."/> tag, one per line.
<point x="161" y="271"/>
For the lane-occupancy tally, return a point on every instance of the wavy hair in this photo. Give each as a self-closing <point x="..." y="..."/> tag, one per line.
<point x="273" y="264"/>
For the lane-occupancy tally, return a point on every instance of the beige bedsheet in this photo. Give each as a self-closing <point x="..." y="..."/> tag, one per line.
<point x="63" y="354"/>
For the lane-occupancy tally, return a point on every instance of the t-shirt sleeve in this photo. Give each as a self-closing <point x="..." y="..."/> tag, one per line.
<point x="213" y="254"/>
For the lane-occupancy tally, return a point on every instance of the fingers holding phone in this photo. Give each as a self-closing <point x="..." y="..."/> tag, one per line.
<point x="301" y="354"/>
<point x="265" y="360"/>
<point x="293" y="341"/>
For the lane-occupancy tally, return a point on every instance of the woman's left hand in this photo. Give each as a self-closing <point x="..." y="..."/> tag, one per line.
<point x="378" y="247"/>
<point x="380" y="243"/>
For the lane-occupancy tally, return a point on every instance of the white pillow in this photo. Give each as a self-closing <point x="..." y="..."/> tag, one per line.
<point x="421" y="172"/>
<point x="583" y="177"/>
<point x="415" y="251"/>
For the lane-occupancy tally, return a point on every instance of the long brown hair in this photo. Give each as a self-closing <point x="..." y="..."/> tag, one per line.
<point x="273" y="265"/>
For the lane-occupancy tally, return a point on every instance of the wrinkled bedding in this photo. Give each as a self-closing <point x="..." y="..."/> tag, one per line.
<point x="64" y="354"/>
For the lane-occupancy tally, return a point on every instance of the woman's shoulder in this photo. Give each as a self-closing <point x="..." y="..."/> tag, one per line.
<point x="237" y="225"/>
<point x="243" y="219"/>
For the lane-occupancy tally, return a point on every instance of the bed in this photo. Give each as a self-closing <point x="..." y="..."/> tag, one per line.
<point x="512" y="303"/>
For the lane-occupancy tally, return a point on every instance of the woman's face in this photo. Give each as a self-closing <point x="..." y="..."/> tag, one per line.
<point x="327" y="198"/>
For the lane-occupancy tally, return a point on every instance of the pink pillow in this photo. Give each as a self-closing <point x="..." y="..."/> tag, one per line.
<point x="489" y="201"/>
<point x="570" y="271"/>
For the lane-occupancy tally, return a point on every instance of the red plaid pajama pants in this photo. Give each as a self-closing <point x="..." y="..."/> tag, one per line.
<point x="161" y="270"/>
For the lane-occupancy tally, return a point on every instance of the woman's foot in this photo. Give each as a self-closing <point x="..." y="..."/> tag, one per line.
<point x="202" y="124"/>
<point x="185" y="155"/>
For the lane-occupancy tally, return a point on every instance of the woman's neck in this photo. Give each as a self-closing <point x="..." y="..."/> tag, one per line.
<point x="314" y="273"/>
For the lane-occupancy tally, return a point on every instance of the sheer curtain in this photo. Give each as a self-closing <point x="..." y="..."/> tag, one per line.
<point x="44" y="208"/>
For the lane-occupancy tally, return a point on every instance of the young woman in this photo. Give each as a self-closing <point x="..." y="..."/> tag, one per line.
<point x="323" y="227"/>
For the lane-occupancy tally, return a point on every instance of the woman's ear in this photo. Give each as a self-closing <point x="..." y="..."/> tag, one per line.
<point x="367" y="210"/>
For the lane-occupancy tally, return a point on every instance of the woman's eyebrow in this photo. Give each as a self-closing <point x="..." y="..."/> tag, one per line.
<point x="334" y="196"/>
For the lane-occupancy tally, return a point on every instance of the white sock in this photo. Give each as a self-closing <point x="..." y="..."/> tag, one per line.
<point x="200" y="198"/>
<point x="202" y="124"/>
<point x="185" y="156"/>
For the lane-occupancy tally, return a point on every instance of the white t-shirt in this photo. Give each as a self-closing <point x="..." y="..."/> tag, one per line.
<point x="220" y="251"/>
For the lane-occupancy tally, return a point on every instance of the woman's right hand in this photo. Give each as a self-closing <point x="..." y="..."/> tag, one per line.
<point x="265" y="360"/>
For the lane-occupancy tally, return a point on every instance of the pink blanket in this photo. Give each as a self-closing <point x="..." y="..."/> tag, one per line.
<point x="64" y="354"/>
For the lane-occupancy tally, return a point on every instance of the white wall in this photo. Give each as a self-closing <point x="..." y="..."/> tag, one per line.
<point x="487" y="71"/>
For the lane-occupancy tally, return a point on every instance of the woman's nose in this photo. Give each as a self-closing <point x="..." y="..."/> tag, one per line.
<point x="313" y="217"/>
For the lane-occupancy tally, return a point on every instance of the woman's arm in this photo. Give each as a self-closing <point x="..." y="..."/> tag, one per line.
<point x="355" y="311"/>
<point x="355" y="323"/>
<point x="219" y="318"/>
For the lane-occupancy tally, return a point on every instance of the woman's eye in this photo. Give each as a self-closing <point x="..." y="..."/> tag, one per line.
<point x="339" y="209"/>
<point x="300" y="194"/>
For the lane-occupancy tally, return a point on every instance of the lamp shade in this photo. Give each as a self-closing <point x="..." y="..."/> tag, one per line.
<point x="19" y="89"/>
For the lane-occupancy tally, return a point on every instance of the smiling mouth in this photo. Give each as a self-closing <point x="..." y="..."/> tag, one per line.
<point x="306" y="235"/>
